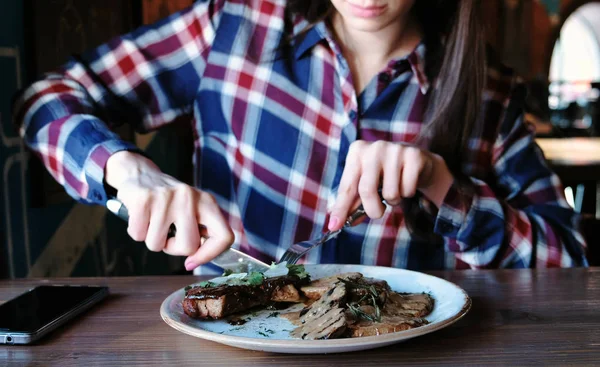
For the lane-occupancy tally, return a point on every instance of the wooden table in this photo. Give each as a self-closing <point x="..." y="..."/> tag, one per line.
<point x="580" y="156"/>
<point x="577" y="162"/>
<point x="518" y="318"/>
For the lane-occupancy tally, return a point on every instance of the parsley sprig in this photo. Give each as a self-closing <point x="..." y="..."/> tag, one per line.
<point x="370" y="298"/>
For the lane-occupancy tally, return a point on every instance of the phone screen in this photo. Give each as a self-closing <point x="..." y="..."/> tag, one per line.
<point x="33" y="309"/>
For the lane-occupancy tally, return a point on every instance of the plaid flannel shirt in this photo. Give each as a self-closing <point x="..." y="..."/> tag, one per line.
<point x="273" y="126"/>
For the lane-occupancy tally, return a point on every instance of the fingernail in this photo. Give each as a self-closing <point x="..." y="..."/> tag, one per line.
<point x="189" y="266"/>
<point x="333" y="222"/>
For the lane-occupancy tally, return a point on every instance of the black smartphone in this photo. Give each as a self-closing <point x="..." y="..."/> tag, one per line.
<point x="33" y="314"/>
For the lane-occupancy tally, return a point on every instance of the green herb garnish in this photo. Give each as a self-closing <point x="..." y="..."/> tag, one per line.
<point x="370" y="298"/>
<point x="298" y="270"/>
<point x="255" y="278"/>
<point x="358" y="313"/>
<point x="230" y="277"/>
<point x="269" y="331"/>
<point x="273" y="314"/>
<point x="263" y="334"/>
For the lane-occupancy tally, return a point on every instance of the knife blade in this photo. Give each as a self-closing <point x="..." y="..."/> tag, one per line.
<point x="231" y="258"/>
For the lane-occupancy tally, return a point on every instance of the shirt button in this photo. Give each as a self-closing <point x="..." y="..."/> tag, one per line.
<point x="352" y="115"/>
<point x="384" y="78"/>
<point x="446" y="227"/>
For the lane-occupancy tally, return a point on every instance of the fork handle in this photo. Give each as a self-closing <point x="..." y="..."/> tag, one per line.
<point x="360" y="212"/>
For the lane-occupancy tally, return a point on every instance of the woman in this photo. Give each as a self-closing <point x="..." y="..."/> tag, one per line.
<point x="302" y="110"/>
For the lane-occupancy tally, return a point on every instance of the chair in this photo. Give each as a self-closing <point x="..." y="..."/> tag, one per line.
<point x="590" y="228"/>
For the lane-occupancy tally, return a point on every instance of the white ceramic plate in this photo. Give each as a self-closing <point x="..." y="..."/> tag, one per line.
<point x="265" y="332"/>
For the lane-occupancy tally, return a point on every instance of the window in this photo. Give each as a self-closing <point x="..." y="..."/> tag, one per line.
<point x="576" y="58"/>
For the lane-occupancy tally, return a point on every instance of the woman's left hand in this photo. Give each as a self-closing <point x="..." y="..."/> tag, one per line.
<point x="399" y="169"/>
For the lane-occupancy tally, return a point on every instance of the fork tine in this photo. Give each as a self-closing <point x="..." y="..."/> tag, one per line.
<point x="289" y="257"/>
<point x="297" y="250"/>
<point x="293" y="257"/>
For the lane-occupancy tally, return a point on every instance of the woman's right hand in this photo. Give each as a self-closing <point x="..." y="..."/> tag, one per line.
<point x="154" y="200"/>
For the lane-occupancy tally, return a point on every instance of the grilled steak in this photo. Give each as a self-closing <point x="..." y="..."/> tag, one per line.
<point x="325" y="318"/>
<point x="333" y="298"/>
<point x="328" y="325"/>
<point x="218" y="302"/>
<point x="317" y="288"/>
<point x="388" y="324"/>
<point x="363" y="287"/>
<point x="409" y="305"/>
<point x="287" y="293"/>
<point x="400" y="312"/>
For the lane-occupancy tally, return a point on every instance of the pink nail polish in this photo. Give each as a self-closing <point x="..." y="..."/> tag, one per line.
<point x="333" y="222"/>
<point x="189" y="266"/>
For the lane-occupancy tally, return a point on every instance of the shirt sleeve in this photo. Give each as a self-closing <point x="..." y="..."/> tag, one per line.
<point x="147" y="78"/>
<point x="519" y="218"/>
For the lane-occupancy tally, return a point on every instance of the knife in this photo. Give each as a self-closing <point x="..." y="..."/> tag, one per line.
<point x="231" y="258"/>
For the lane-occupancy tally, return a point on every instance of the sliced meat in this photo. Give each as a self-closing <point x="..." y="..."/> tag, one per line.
<point x="367" y="309"/>
<point x="221" y="301"/>
<point x="325" y="318"/>
<point x="400" y="312"/>
<point x="415" y="305"/>
<point x="287" y="293"/>
<point x="363" y="288"/>
<point x="329" y="325"/>
<point x="318" y="287"/>
<point x="335" y="297"/>
<point x="293" y="317"/>
<point x="388" y="324"/>
<point x="219" y="307"/>
<point x="378" y="283"/>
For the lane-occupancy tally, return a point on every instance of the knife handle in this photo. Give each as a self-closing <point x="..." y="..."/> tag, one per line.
<point x="116" y="207"/>
<point x="173" y="231"/>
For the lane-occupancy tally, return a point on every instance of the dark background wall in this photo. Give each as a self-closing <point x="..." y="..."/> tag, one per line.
<point x="43" y="231"/>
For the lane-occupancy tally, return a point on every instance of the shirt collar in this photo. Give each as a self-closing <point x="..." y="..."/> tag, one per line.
<point x="417" y="64"/>
<point x="306" y="40"/>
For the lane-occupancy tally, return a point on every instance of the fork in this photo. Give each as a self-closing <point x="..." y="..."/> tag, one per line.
<point x="297" y="250"/>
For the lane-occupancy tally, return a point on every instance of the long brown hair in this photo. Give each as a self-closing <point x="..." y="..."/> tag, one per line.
<point x="455" y="66"/>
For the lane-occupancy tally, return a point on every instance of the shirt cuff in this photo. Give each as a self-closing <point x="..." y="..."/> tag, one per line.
<point x="94" y="167"/>
<point x="453" y="214"/>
